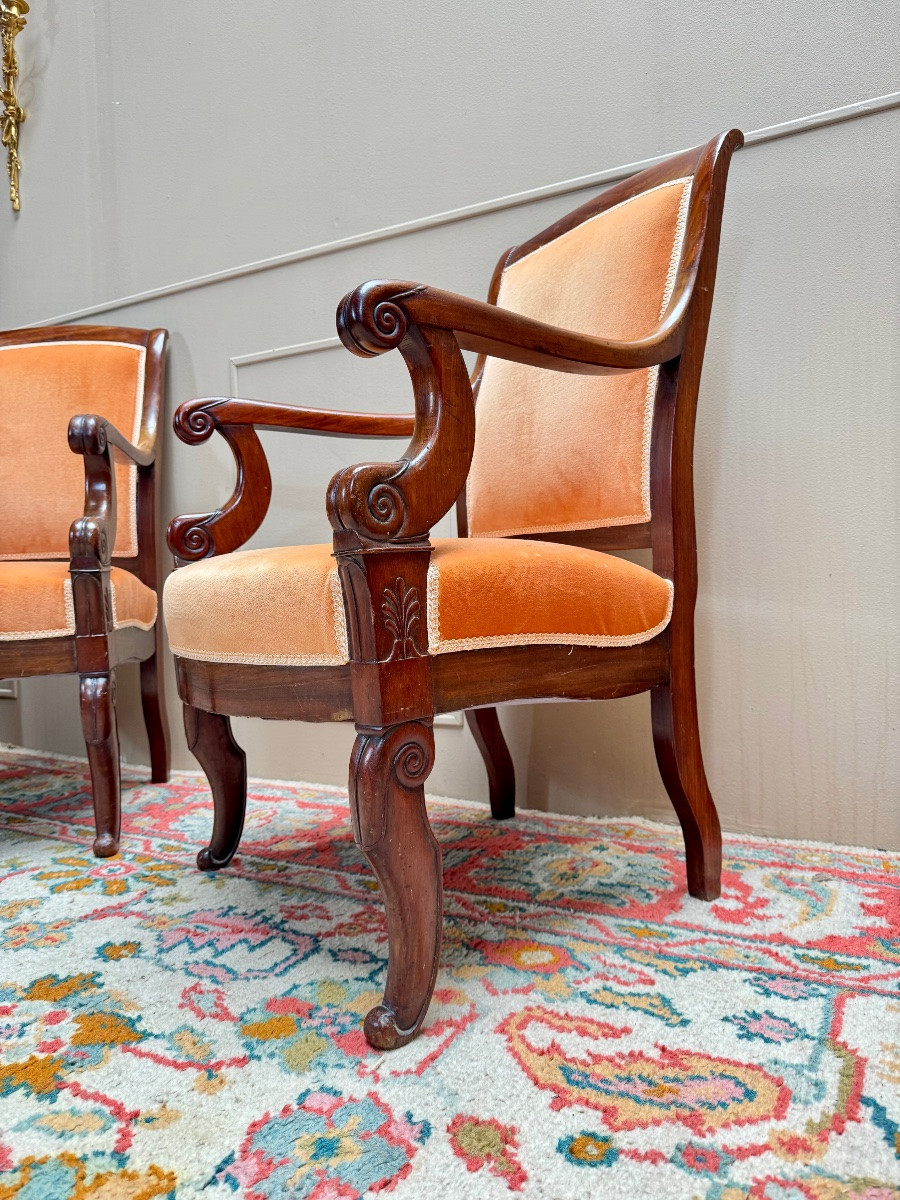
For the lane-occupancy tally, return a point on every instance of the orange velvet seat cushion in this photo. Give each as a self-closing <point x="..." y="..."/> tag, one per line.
<point x="497" y="592"/>
<point x="36" y="600"/>
<point x="279" y="607"/>
<point x="284" y="606"/>
<point x="43" y="385"/>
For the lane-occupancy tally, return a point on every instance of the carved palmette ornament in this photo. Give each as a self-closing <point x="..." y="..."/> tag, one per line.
<point x="402" y="611"/>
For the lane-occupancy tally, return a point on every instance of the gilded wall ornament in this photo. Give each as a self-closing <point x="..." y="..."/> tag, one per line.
<point x="12" y="22"/>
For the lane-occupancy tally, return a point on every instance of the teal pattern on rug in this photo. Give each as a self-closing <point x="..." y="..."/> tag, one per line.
<point x="595" y="1031"/>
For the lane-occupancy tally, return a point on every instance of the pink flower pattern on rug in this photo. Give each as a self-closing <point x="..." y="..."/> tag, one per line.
<point x="166" y="1034"/>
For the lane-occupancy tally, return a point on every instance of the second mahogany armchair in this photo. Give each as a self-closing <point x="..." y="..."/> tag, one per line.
<point x="590" y="350"/>
<point x="79" y="423"/>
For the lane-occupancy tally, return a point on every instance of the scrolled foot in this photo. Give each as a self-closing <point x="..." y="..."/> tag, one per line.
<point x="105" y="846"/>
<point x="382" y="1031"/>
<point x="207" y="861"/>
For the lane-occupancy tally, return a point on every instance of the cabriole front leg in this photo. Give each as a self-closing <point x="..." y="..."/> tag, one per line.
<point x="387" y="795"/>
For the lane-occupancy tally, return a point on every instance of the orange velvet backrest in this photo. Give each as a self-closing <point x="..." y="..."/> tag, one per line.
<point x="555" y="451"/>
<point x="43" y="385"/>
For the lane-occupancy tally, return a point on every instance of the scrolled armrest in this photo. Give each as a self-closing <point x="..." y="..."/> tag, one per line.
<point x="195" y="420"/>
<point x="201" y="535"/>
<point x="196" y="536"/>
<point x="90" y="544"/>
<point x="90" y="435"/>
<point x="400" y="501"/>
<point x="377" y="317"/>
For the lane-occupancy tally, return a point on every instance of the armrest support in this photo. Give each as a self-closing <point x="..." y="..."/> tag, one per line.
<point x="93" y="535"/>
<point x="400" y="501"/>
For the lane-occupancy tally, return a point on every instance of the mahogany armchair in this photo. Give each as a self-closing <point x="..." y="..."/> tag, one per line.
<point x="79" y="595"/>
<point x="588" y="454"/>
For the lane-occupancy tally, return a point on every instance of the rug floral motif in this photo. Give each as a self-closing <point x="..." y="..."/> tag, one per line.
<point x="595" y="1031"/>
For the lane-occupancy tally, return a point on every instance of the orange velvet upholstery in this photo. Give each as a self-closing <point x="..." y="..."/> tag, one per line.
<point x="36" y="600"/>
<point x="284" y="606"/>
<point x="279" y="607"/>
<point x="555" y="451"/>
<point x="494" y="592"/>
<point x="43" y="385"/>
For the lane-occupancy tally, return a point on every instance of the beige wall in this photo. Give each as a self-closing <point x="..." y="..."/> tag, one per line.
<point x="166" y="142"/>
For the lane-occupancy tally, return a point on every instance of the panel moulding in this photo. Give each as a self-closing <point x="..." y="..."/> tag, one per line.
<point x="756" y="137"/>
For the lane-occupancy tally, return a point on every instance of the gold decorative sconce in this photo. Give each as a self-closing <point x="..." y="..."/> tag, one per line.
<point x="12" y="22"/>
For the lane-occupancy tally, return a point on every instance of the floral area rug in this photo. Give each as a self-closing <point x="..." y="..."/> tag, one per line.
<point x="595" y="1032"/>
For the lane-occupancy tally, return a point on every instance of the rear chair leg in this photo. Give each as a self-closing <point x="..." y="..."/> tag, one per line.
<point x="484" y="725"/>
<point x="225" y="764"/>
<point x="388" y="770"/>
<point x="676" y="739"/>
<point x="98" y="722"/>
<point x="155" y="722"/>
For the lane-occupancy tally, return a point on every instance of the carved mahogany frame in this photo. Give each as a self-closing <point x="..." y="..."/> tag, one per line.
<point x="97" y="647"/>
<point x="381" y="514"/>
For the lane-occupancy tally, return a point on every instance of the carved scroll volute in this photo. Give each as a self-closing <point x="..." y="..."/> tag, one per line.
<point x="402" y="500"/>
<point x="196" y="536"/>
<point x="402" y="755"/>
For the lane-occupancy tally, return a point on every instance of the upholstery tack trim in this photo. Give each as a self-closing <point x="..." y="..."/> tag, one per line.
<point x="340" y="615"/>
<point x="601" y="523"/>
<point x="117" y="624"/>
<point x="259" y="660"/>
<point x="653" y="373"/>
